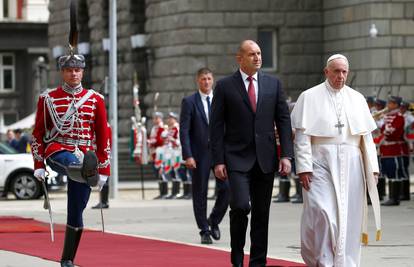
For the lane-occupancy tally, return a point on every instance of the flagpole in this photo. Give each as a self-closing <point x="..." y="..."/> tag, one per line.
<point x="113" y="96"/>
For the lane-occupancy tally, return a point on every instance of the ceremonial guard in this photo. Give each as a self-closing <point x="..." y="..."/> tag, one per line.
<point x="392" y="150"/>
<point x="371" y="103"/>
<point x="173" y="146"/>
<point x="409" y="139"/>
<point x="155" y="143"/>
<point x="68" y="135"/>
<point x="378" y="112"/>
<point x="284" y="181"/>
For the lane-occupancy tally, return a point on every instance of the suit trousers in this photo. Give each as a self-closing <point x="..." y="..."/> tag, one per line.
<point x="78" y="193"/>
<point x="250" y="191"/>
<point x="200" y="177"/>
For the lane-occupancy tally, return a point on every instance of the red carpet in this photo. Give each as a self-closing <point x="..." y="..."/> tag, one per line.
<point x="112" y="250"/>
<point x="11" y="224"/>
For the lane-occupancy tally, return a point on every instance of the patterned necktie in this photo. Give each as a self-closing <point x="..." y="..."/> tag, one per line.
<point x="252" y="94"/>
<point x="208" y="107"/>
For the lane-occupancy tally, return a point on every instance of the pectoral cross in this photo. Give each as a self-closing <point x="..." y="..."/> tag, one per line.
<point x="339" y="125"/>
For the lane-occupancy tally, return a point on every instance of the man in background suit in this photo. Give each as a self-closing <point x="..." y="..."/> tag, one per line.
<point x="194" y="121"/>
<point x="246" y="107"/>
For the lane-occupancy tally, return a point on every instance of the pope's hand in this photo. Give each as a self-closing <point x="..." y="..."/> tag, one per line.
<point x="40" y="174"/>
<point x="376" y="177"/>
<point x="102" y="181"/>
<point x="305" y="180"/>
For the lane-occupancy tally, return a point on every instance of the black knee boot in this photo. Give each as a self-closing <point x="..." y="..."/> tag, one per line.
<point x="175" y="191"/>
<point x="405" y="189"/>
<point x="394" y="193"/>
<point x="70" y="246"/>
<point x="297" y="198"/>
<point x="163" y="188"/>
<point x="284" y="188"/>
<point x="381" y="187"/>
<point x="188" y="190"/>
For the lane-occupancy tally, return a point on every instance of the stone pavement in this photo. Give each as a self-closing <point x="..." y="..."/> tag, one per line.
<point x="173" y="220"/>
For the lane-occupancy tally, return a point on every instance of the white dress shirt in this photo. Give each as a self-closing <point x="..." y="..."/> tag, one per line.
<point x="204" y="101"/>
<point x="246" y="83"/>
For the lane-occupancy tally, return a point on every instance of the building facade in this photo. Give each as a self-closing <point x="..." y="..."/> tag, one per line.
<point x="23" y="57"/>
<point x="296" y="37"/>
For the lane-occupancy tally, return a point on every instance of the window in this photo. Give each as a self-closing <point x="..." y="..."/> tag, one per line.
<point x="267" y="40"/>
<point x="7" y="118"/>
<point x="8" y="9"/>
<point x="7" y="72"/>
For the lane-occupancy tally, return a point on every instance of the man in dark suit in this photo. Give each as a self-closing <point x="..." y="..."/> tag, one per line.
<point x="245" y="110"/>
<point x="194" y="121"/>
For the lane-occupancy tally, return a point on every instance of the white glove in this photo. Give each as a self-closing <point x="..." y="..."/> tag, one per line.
<point x="40" y="174"/>
<point x="102" y="181"/>
<point x="164" y="134"/>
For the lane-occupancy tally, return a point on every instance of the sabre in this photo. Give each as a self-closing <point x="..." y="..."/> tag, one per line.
<point x="102" y="220"/>
<point x="46" y="205"/>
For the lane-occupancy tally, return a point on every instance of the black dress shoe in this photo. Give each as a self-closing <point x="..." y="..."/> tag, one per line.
<point x="101" y="206"/>
<point x="66" y="263"/>
<point x="206" y="239"/>
<point x="214" y="230"/>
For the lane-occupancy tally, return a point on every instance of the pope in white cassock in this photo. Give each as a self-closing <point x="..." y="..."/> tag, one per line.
<point x="336" y="161"/>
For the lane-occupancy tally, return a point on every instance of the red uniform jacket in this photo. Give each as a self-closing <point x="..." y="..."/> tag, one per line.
<point x="172" y="136"/>
<point x="156" y="139"/>
<point x="393" y="144"/>
<point x="89" y="131"/>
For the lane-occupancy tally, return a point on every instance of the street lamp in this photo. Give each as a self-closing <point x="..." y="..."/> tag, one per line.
<point x="106" y="45"/>
<point x="138" y="40"/>
<point x="84" y="48"/>
<point x="373" y="31"/>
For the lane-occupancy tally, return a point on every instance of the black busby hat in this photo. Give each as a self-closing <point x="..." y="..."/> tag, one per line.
<point x="173" y="115"/>
<point x="370" y="99"/>
<point x="405" y="104"/>
<point x="380" y="102"/>
<point x="395" y="99"/>
<point x="158" y="114"/>
<point x="72" y="60"/>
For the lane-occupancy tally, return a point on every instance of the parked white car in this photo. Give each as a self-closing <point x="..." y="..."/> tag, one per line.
<point x="16" y="174"/>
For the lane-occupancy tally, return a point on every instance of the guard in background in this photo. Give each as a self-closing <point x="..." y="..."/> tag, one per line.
<point x="172" y="143"/>
<point x="409" y="139"/>
<point x="371" y="103"/>
<point x="155" y="144"/>
<point x="68" y="136"/>
<point x="392" y="150"/>
<point x="284" y="181"/>
<point x="378" y="112"/>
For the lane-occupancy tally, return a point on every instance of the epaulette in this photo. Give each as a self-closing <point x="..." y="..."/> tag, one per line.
<point x="47" y="91"/>
<point x="98" y="94"/>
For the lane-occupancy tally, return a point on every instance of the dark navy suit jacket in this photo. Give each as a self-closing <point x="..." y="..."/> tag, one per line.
<point x="240" y="137"/>
<point x="194" y="129"/>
